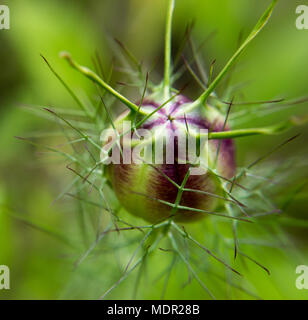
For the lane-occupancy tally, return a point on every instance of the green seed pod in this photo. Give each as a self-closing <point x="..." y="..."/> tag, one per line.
<point x="150" y="190"/>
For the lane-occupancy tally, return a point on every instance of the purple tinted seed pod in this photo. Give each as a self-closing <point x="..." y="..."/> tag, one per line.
<point x="145" y="190"/>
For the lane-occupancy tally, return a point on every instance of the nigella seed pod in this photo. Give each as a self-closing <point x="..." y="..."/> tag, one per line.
<point x="169" y="159"/>
<point x="149" y="190"/>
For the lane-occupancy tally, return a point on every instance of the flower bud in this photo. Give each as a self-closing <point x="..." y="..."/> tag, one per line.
<point x="149" y="188"/>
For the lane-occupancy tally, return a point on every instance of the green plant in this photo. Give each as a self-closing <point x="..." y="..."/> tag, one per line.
<point x="239" y="205"/>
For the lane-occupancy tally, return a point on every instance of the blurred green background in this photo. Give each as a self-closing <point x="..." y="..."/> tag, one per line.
<point x="275" y="63"/>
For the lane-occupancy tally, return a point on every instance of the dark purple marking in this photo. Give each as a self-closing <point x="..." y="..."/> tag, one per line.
<point x="201" y="123"/>
<point x="161" y="188"/>
<point x="151" y="124"/>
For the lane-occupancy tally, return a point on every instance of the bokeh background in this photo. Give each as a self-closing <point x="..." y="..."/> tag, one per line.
<point x="275" y="65"/>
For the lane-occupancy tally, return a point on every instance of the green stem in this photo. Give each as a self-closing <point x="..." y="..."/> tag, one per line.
<point x="180" y="193"/>
<point x="167" y="75"/>
<point x="271" y="130"/>
<point x="94" y="77"/>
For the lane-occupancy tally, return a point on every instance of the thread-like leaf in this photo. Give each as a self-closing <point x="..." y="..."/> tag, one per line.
<point x="94" y="77"/>
<point x="259" y="26"/>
